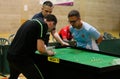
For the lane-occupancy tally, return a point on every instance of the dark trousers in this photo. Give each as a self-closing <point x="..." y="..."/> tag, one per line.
<point x="28" y="68"/>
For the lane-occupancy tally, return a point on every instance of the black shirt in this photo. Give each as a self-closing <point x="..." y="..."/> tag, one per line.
<point x="40" y="15"/>
<point x="24" y="43"/>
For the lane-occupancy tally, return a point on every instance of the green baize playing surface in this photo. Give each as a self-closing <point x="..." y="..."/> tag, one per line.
<point x="84" y="57"/>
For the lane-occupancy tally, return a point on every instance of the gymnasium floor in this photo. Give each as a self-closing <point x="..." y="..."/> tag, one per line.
<point x="115" y="34"/>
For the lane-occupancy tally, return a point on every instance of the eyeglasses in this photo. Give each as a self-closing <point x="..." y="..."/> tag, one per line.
<point x="72" y="22"/>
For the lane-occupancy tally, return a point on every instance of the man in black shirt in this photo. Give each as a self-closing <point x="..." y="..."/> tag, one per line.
<point x="29" y="38"/>
<point x="46" y="9"/>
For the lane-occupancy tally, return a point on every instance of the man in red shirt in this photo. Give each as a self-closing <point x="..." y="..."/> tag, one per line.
<point x="65" y="33"/>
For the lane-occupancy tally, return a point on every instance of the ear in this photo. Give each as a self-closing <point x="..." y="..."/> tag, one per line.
<point x="42" y="8"/>
<point x="79" y="18"/>
<point x="45" y="20"/>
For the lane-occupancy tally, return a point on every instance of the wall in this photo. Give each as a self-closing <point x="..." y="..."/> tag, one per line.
<point x="103" y="14"/>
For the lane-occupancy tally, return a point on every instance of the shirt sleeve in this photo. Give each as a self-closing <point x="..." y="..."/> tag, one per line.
<point x="41" y="29"/>
<point x="95" y="34"/>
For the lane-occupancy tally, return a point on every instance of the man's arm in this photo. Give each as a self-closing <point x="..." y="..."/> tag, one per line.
<point x="99" y="40"/>
<point x="57" y="37"/>
<point x="41" y="47"/>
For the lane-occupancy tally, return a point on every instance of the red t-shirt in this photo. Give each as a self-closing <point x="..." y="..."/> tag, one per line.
<point x="65" y="33"/>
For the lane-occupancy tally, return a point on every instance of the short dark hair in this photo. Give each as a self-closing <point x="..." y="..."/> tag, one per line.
<point x="74" y="13"/>
<point x="51" y="17"/>
<point x="48" y="3"/>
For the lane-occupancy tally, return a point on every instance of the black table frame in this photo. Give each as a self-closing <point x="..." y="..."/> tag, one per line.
<point x="71" y="70"/>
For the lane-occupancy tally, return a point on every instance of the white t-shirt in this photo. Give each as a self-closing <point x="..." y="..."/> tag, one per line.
<point x="86" y="36"/>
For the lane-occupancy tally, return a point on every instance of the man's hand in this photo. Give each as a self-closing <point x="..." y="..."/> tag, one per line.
<point x="50" y="53"/>
<point x="65" y="44"/>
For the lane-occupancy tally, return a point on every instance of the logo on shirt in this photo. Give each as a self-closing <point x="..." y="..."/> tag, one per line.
<point x="83" y="35"/>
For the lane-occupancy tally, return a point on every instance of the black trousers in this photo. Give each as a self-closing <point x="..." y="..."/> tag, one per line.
<point x="28" y="68"/>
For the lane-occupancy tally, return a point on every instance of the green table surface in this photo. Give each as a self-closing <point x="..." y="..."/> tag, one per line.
<point x="84" y="57"/>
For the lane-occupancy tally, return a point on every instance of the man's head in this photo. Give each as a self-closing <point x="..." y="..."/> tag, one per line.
<point x="47" y="8"/>
<point x="51" y="21"/>
<point x="74" y="19"/>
